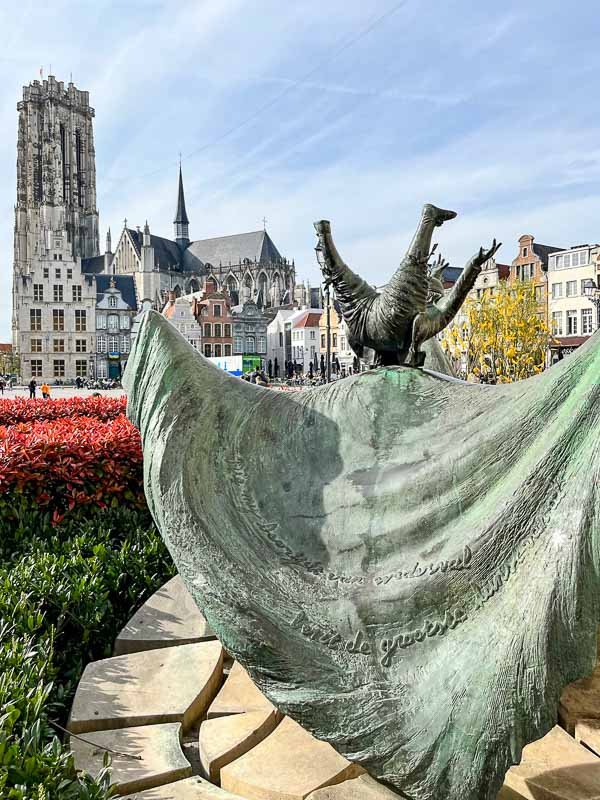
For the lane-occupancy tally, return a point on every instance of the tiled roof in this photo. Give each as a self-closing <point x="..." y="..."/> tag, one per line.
<point x="224" y="250"/>
<point x="503" y="271"/>
<point x="93" y="265"/>
<point x="544" y="250"/>
<point x="568" y="341"/>
<point x="124" y="283"/>
<point x="5" y="348"/>
<point x="167" y="254"/>
<point x="308" y="320"/>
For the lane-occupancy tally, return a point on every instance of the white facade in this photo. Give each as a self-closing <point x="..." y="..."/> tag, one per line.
<point x="571" y="315"/>
<point x="179" y="314"/>
<point x="305" y="338"/>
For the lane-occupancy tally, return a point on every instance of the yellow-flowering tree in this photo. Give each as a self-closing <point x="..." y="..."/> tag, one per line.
<point x="502" y="337"/>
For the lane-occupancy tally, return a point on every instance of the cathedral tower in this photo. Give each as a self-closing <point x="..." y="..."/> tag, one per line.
<point x="56" y="226"/>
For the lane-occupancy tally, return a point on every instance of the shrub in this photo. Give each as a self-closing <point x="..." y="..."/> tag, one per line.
<point x="19" y="409"/>
<point x="78" y="554"/>
<point x="64" y="464"/>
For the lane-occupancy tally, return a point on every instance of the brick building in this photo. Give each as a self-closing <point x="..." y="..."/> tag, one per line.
<point x="532" y="265"/>
<point x="213" y="313"/>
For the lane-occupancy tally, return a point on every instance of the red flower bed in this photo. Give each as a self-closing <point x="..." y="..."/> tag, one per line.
<point x="65" y="464"/>
<point x="19" y="409"/>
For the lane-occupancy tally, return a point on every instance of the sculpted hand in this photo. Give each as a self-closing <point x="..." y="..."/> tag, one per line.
<point x="482" y="256"/>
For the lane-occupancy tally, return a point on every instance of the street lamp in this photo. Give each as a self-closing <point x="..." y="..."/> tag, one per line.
<point x="321" y="260"/>
<point x="591" y="290"/>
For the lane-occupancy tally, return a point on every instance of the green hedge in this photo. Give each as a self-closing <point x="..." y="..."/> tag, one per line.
<point x="65" y="592"/>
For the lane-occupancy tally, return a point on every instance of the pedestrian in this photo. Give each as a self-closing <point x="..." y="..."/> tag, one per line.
<point x="276" y="368"/>
<point x="2" y="385"/>
<point x="45" y="391"/>
<point x="270" y="369"/>
<point x="32" y="388"/>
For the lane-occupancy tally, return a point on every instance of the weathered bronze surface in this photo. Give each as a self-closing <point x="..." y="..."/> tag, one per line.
<point x="406" y="564"/>
<point x="412" y="308"/>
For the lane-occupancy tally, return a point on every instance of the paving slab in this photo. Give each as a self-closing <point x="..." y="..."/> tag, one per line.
<point x="223" y="739"/>
<point x="554" y="768"/>
<point x="580" y="700"/>
<point x="238" y="695"/>
<point x="150" y="756"/>
<point x="194" y="788"/>
<point x="170" y="617"/>
<point x="287" y="765"/>
<point x="587" y="733"/>
<point x="362" y="788"/>
<point x="172" y="684"/>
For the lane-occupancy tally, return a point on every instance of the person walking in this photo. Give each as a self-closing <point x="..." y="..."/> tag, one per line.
<point x="32" y="388"/>
<point x="45" y="391"/>
<point x="2" y="385"/>
<point x="270" y="370"/>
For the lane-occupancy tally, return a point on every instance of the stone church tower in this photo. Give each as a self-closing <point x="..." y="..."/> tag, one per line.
<point x="56" y="226"/>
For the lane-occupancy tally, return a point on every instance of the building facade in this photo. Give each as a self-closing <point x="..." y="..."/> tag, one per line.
<point x="305" y="339"/>
<point x="531" y="264"/>
<point x="249" y="330"/>
<point x="116" y="308"/>
<point x="56" y="226"/>
<point x="178" y="311"/>
<point x="570" y="313"/>
<point x="213" y="314"/>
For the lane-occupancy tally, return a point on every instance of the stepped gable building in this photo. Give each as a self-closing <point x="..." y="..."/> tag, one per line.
<point x="56" y="226"/>
<point x="248" y="266"/>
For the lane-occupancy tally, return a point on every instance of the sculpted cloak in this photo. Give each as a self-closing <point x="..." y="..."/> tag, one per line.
<point x="406" y="564"/>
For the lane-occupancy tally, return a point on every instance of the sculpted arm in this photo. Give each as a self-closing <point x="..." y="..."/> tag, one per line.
<point x="349" y="287"/>
<point x="437" y="317"/>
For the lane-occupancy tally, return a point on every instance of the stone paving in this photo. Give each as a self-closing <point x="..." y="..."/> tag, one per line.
<point x="60" y="391"/>
<point x="182" y="726"/>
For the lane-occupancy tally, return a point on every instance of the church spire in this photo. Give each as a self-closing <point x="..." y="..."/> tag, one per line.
<point x="181" y="220"/>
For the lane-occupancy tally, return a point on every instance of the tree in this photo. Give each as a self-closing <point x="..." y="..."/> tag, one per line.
<point x="502" y="336"/>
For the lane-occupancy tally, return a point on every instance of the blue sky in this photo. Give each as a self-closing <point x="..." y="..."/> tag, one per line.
<point x="489" y="109"/>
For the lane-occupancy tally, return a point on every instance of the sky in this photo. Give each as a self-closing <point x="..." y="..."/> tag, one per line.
<point x="343" y="110"/>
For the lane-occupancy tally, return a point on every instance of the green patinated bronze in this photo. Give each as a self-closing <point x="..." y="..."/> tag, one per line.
<point x="406" y="564"/>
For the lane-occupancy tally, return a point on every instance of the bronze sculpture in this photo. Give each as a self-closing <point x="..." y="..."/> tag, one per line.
<point x="412" y="307"/>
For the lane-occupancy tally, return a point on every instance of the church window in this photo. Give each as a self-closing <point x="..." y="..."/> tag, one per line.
<point x="262" y="344"/>
<point x="65" y="174"/>
<point x="58" y="293"/>
<point x="59" y="367"/>
<point x="218" y="351"/>
<point x="80" y="320"/>
<point x="58" y="319"/>
<point x="216" y="311"/>
<point x="80" y="346"/>
<point x="238" y="344"/>
<point x="36" y="345"/>
<point x="76" y="294"/>
<point x="101" y="344"/>
<point x="207" y="329"/>
<point x="79" y="162"/>
<point x="208" y="350"/>
<point x="112" y="301"/>
<point x="218" y="331"/>
<point x="227" y="331"/>
<point x="38" y="293"/>
<point x="36" y="367"/>
<point x="35" y="319"/>
<point x="58" y="345"/>
<point x="81" y="368"/>
<point x="227" y="349"/>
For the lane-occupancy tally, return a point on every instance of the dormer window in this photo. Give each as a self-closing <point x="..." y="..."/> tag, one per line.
<point x="112" y="301"/>
<point x="525" y="252"/>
